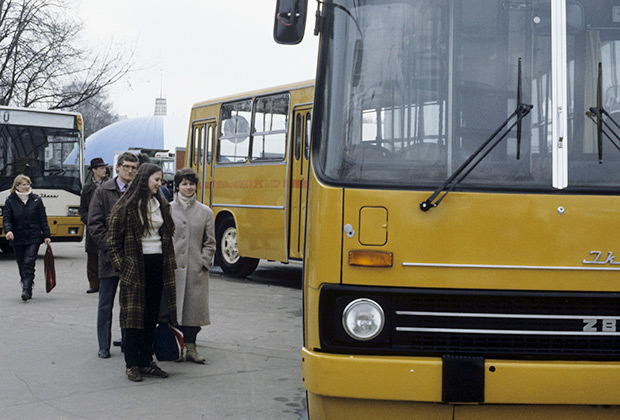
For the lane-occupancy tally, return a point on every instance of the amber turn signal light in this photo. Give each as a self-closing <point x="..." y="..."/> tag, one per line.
<point x="371" y="258"/>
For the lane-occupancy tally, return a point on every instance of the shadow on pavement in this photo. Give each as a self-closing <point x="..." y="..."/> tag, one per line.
<point x="274" y="274"/>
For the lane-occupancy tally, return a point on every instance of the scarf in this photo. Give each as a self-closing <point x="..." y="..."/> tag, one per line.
<point x="185" y="202"/>
<point x="23" y="196"/>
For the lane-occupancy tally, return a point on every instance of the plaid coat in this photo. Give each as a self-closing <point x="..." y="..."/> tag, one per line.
<point x="125" y="250"/>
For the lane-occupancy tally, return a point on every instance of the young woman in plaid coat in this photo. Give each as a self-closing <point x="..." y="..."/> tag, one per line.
<point x="140" y="247"/>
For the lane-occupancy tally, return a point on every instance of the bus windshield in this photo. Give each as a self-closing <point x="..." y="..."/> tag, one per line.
<point x="404" y="100"/>
<point x="49" y="156"/>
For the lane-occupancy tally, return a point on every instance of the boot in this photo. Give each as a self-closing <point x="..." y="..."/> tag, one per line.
<point x="192" y="355"/>
<point x="26" y="294"/>
<point x="26" y="290"/>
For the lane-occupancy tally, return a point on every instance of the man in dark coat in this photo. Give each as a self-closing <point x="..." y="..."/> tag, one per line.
<point x="99" y="211"/>
<point x="98" y="169"/>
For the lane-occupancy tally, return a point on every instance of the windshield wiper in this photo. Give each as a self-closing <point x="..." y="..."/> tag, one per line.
<point x="596" y="114"/>
<point x="472" y="161"/>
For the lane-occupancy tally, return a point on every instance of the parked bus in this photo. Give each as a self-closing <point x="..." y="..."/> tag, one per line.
<point x="251" y="153"/>
<point x="463" y="209"/>
<point x="47" y="146"/>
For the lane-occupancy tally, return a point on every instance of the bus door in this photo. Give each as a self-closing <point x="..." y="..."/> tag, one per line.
<point x="200" y="158"/>
<point x="299" y="182"/>
<point x="206" y="186"/>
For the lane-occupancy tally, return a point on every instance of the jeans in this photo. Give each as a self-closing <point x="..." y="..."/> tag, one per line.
<point x="139" y="342"/>
<point x="107" y="293"/>
<point x="26" y="256"/>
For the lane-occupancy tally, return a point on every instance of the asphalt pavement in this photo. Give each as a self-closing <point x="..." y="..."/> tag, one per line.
<point x="49" y="368"/>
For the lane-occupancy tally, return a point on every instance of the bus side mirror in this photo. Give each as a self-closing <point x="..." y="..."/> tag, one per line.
<point x="290" y="22"/>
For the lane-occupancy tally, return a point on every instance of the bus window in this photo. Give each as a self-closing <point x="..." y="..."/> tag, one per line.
<point x="308" y="127"/>
<point x="233" y="144"/>
<point x="270" y="123"/>
<point x="298" y="133"/>
<point x="196" y="142"/>
<point x="209" y="144"/>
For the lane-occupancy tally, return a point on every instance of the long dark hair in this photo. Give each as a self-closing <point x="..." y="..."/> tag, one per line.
<point x="138" y="195"/>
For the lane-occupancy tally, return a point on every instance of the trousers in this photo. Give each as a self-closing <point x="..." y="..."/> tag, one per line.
<point x="92" y="269"/>
<point x="139" y="342"/>
<point x="26" y="257"/>
<point x="107" y="293"/>
<point x="189" y="333"/>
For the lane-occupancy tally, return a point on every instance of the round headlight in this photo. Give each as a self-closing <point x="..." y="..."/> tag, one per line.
<point x="363" y="319"/>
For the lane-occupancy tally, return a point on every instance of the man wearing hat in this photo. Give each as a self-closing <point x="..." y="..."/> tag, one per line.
<point x="98" y="169"/>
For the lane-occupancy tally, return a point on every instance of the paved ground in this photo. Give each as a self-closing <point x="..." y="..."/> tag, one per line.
<point x="49" y="367"/>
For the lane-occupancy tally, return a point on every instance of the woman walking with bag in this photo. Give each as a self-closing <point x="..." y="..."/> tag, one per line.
<point x="140" y="248"/>
<point x="25" y="225"/>
<point x="194" y="247"/>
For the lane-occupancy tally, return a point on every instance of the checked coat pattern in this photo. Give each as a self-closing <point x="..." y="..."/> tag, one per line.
<point x="125" y="250"/>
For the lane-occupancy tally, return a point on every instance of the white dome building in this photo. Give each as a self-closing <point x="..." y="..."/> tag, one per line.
<point x="155" y="132"/>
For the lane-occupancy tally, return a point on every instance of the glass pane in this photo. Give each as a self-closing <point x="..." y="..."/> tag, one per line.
<point x="235" y="132"/>
<point x="308" y="127"/>
<point x="269" y="146"/>
<point x="209" y="143"/>
<point x="50" y="157"/>
<point x="414" y="88"/>
<point x="298" y="134"/>
<point x="270" y="127"/>
<point x="593" y="38"/>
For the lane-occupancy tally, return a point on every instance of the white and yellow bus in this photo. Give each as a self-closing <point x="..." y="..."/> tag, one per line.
<point x="463" y="214"/>
<point x="251" y="152"/>
<point x="48" y="147"/>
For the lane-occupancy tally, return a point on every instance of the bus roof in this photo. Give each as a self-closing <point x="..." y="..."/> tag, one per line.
<point x="290" y="86"/>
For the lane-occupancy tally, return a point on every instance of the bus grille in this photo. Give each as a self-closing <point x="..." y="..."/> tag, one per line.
<point x="490" y="324"/>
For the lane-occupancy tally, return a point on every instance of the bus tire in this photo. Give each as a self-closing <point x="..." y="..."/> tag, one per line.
<point x="227" y="251"/>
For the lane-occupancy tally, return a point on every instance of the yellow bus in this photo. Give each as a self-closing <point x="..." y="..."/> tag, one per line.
<point x="251" y="153"/>
<point x="48" y="147"/>
<point x="463" y="209"/>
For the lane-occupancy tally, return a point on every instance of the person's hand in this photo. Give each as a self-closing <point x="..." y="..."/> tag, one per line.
<point x="9" y="236"/>
<point x="47" y="241"/>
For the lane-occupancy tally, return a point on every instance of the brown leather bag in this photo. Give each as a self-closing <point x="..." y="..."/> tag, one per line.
<point x="50" y="270"/>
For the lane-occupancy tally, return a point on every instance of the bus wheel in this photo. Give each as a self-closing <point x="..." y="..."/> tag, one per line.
<point x="227" y="251"/>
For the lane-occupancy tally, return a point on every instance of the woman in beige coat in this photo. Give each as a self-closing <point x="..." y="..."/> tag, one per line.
<point x="194" y="247"/>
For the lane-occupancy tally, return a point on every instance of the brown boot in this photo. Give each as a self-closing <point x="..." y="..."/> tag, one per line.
<point x="192" y="355"/>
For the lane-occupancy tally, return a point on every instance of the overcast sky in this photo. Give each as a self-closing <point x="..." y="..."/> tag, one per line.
<point x="194" y="50"/>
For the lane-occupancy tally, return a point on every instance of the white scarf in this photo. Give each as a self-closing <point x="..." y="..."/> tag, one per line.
<point x="185" y="202"/>
<point x="23" y="196"/>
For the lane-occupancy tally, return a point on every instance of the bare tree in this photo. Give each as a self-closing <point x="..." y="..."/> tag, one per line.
<point x="41" y="62"/>
<point x="97" y="112"/>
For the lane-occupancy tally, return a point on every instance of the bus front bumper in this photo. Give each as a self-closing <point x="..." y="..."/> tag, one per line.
<point x="420" y="379"/>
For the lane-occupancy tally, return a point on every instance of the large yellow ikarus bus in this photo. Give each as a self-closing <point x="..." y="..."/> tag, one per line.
<point x="251" y="152"/>
<point x="462" y="256"/>
<point x="48" y="147"/>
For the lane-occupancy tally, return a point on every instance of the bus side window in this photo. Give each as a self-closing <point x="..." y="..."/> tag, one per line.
<point x="233" y="142"/>
<point x="270" y="127"/>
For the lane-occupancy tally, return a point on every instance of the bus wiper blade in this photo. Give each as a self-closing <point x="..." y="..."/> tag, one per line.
<point x="596" y="114"/>
<point x="487" y="146"/>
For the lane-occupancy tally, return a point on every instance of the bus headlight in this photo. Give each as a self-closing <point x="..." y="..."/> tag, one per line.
<point x="363" y="319"/>
<point x="73" y="212"/>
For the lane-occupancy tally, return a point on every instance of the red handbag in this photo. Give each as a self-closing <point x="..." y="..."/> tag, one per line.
<point x="50" y="270"/>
